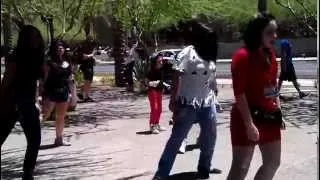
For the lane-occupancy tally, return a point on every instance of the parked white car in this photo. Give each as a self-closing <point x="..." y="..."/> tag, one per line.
<point x="169" y="55"/>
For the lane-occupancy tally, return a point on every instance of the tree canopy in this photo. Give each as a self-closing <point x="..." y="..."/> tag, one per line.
<point x="152" y="15"/>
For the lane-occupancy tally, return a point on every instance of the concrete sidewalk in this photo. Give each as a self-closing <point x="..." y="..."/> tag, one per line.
<point x="110" y="141"/>
<point x="228" y="82"/>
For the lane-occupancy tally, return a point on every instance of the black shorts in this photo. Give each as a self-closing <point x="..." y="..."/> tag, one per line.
<point x="289" y="75"/>
<point x="58" y="95"/>
<point x="87" y="72"/>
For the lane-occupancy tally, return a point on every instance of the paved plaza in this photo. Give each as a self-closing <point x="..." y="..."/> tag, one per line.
<point x="110" y="141"/>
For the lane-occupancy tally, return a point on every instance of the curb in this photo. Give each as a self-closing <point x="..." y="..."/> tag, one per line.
<point x="228" y="82"/>
<point x="278" y="59"/>
<point x="228" y="60"/>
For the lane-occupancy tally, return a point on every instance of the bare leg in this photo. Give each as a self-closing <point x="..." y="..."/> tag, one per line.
<point x="271" y="157"/>
<point x="241" y="159"/>
<point x="61" y="110"/>
<point x="47" y="109"/>
<point x="86" y="88"/>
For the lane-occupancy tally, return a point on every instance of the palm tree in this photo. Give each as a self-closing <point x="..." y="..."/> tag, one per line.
<point x="119" y="47"/>
<point x="119" y="53"/>
<point x="6" y="20"/>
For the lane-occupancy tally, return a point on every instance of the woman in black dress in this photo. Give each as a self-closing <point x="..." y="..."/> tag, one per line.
<point x="57" y="78"/>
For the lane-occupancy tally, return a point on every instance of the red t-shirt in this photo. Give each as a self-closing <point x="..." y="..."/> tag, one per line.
<point x="254" y="77"/>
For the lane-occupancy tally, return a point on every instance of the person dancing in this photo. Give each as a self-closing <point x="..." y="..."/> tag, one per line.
<point x="192" y="99"/>
<point x="18" y="93"/>
<point x="256" y="117"/>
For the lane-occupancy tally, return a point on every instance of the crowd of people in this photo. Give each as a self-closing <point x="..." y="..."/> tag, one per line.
<point x="256" y="117"/>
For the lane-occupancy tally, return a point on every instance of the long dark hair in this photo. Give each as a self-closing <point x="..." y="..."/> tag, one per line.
<point x="252" y="35"/>
<point x="53" y="52"/>
<point x="30" y="51"/>
<point x="202" y="37"/>
<point x="153" y="62"/>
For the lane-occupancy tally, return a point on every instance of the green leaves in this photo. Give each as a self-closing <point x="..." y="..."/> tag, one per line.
<point x="150" y="15"/>
<point x="67" y="14"/>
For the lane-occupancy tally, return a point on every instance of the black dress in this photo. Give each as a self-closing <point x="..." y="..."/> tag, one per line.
<point x="57" y="87"/>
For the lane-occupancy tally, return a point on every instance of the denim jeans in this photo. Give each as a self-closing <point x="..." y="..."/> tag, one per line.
<point x="185" y="118"/>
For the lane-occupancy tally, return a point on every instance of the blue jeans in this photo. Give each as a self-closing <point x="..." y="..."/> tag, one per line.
<point x="185" y="118"/>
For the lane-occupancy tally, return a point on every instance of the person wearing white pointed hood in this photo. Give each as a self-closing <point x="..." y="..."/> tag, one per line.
<point x="193" y="97"/>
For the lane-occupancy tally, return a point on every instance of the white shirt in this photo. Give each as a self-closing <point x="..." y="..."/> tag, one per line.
<point x="133" y="55"/>
<point x="197" y="80"/>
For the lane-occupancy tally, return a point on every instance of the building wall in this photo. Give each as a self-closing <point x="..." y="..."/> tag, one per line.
<point x="300" y="47"/>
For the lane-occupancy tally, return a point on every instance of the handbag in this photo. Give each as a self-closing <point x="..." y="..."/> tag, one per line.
<point x="261" y="117"/>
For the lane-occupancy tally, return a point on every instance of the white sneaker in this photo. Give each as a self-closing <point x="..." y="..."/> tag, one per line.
<point x="154" y="130"/>
<point x="160" y="128"/>
<point x="183" y="146"/>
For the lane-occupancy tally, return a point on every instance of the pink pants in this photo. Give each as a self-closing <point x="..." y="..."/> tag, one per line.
<point x="155" y="99"/>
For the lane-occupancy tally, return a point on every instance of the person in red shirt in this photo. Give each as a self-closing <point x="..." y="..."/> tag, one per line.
<point x="256" y="117"/>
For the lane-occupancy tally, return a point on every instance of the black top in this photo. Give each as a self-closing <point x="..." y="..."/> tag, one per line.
<point x="58" y="76"/>
<point x="156" y="75"/>
<point x="26" y="76"/>
<point x="87" y="48"/>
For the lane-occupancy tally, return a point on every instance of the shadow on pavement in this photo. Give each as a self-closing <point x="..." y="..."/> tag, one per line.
<point x="48" y="146"/>
<point x="51" y="146"/>
<point x="95" y="117"/>
<point x="297" y="112"/>
<point x="300" y="112"/>
<point x="184" y="176"/>
<point x="144" y="133"/>
<point x="103" y="93"/>
<point x="135" y="176"/>
<point x="190" y="175"/>
<point x="67" y="164"/>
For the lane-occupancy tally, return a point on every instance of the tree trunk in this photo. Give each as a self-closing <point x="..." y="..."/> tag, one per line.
<point x="262" y="6"/>
<point x="64" y="18"/>
<point x="51" y="29"/>
<point x="7" y="30"/>
<point x="156" y="38"/>
<point x="119" y="51"/>
<point x="87" y="25"/>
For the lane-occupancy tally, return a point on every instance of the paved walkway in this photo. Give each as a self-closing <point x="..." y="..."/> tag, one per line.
<point x="109" y="141"/>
